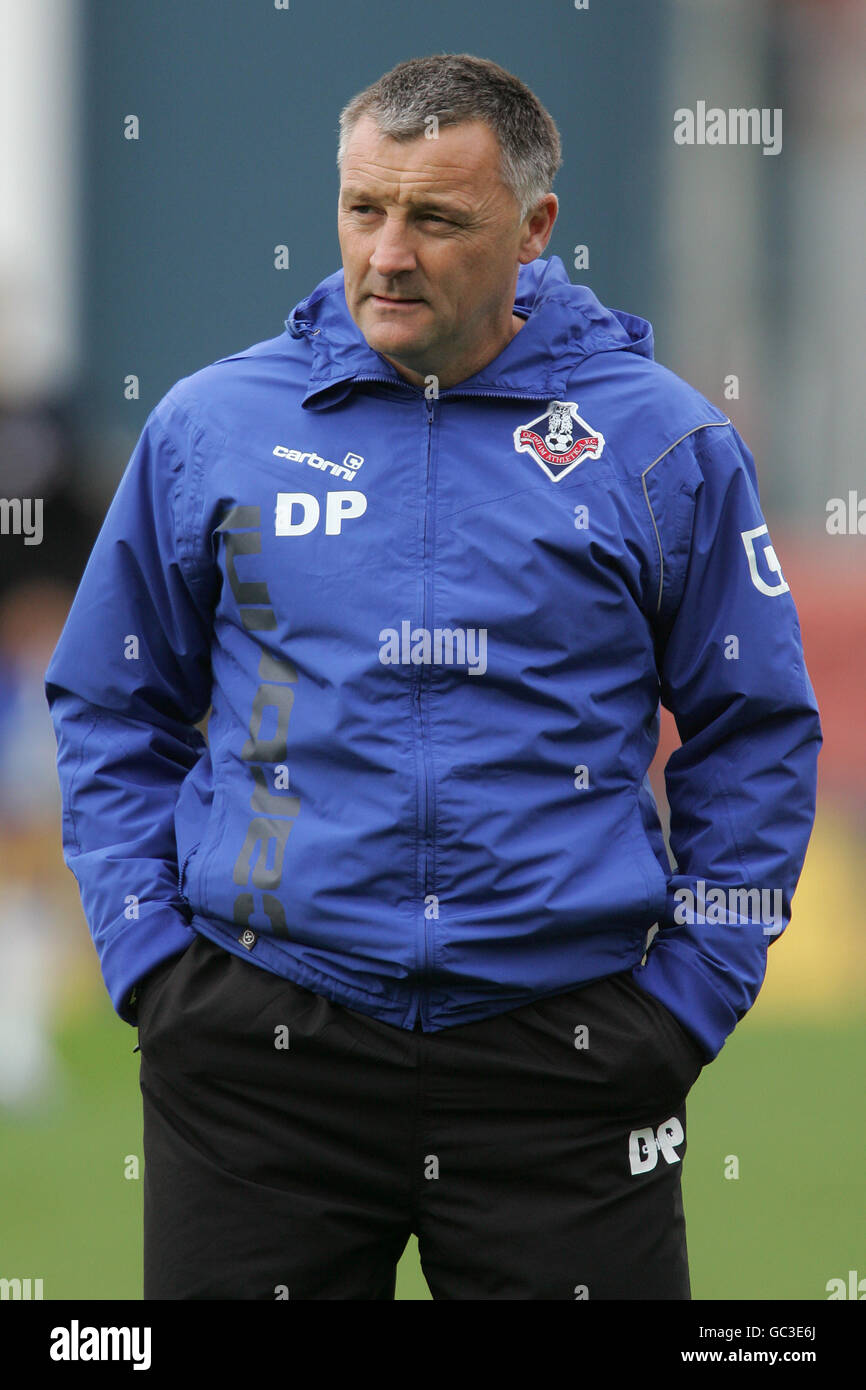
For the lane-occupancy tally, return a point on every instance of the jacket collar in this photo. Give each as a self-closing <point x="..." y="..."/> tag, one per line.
<point x="564" y="324"/>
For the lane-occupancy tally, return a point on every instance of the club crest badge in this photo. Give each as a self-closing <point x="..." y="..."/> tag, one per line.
<point x="559" y="439"/>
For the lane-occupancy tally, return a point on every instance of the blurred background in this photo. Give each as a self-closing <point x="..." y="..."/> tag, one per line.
<point x="152" y="156"/>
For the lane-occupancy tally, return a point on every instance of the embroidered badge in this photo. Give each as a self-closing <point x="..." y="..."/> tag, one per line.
<point x="559" y="439"/>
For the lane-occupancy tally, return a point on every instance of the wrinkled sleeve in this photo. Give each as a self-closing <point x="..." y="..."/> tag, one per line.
<point x="742" y="785"/>
<point x="128" y="680"/>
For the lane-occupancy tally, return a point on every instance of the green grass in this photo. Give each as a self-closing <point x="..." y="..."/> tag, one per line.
<point x="787" y="1101"/>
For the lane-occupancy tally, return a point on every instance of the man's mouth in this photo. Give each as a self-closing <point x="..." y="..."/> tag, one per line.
<point x="390" y="299"/>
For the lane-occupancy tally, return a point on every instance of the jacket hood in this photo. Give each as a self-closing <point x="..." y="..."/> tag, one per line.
<point x="564" y="323"/>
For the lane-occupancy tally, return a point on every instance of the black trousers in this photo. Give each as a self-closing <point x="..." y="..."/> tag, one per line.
<point x="292" y="1145"/>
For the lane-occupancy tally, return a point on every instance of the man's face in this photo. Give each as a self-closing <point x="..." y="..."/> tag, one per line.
<point x="431" y="242"/>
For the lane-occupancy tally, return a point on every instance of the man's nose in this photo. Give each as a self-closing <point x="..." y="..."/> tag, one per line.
<point x="393" y="250"/>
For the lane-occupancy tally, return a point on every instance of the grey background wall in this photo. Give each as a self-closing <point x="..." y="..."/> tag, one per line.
<point x="238" y="105"/>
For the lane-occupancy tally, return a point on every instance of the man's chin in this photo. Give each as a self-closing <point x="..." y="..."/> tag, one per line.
<point x="397" y="340"/>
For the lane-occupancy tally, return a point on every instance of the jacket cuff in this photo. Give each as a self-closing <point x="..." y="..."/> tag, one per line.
<point x="132" y="952"/>
<point x="674" y="975"/>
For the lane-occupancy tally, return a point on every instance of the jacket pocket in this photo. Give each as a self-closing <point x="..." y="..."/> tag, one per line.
<point x="151" y="987"/>
<point x="183" y="876"/>
<point x="677" y="1048"/>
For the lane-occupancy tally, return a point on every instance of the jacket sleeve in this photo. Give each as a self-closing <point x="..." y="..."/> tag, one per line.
<point x="741" y="787"/>
<point x="128" y="680"/>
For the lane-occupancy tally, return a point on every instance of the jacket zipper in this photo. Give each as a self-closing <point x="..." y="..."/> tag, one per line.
<point x="424" y="676"/>
<point x="425" y="797"/>
<point x="180" y="878"/>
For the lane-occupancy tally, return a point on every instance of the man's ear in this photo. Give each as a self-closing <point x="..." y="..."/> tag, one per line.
<point x="539" y="228"/>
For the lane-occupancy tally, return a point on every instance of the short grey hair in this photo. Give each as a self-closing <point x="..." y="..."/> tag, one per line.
<point x="457" y="87"/>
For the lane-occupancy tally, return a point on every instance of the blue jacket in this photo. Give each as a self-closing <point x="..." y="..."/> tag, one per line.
<point x="434" y="630"/>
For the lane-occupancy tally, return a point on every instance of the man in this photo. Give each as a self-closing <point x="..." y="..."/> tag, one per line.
<point x="430" y="558"/>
